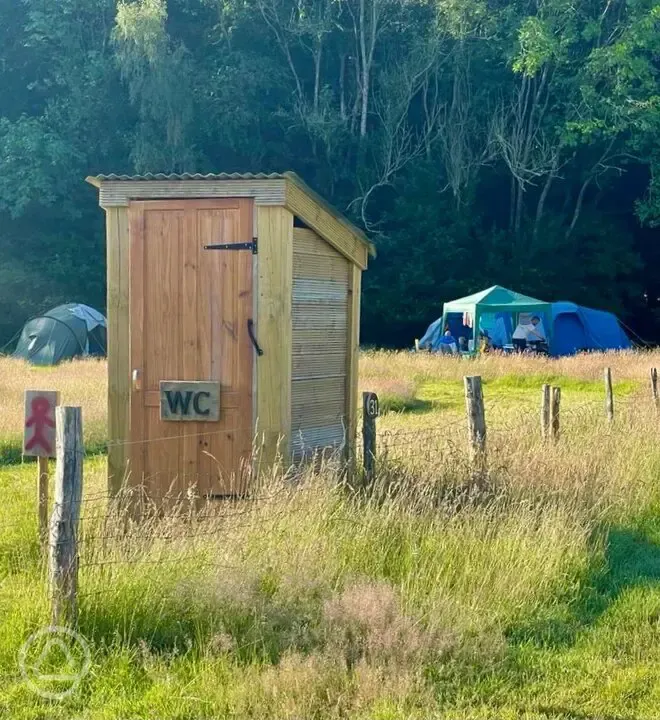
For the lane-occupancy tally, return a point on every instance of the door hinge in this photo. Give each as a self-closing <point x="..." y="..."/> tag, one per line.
<point x="252" y="245"/>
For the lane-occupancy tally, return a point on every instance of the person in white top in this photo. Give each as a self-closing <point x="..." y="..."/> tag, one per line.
<point x="530" y="332"/>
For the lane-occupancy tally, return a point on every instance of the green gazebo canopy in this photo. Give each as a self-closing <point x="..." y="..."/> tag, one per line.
<point x="497" y="299"/>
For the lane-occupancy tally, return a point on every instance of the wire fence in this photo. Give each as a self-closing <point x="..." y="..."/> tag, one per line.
<point x="166" y="520"/>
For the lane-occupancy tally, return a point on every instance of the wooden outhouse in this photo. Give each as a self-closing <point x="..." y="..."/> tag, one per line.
<point x="233" y="324"/>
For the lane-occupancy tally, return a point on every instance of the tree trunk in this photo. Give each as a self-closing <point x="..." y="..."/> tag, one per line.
<point x="364" y="79"/>
<point x="512" y="202"/>
<point x="358" y="95"/>
<point x="578" y="206"/>
<point x="342" y="87"/>
<point x="317" y="73"/>
<point x="544" y="196"/>
<point x="519" y="208"/>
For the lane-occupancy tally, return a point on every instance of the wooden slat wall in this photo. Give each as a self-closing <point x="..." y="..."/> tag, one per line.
<point x="321" y="221"/>
<point x="119" y="372"/>
<point x="322" y="279"/>
<point x="273" y="329"/>
<point x="306" y="312"/>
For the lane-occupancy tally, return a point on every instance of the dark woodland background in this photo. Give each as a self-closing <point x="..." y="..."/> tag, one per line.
<point x="477" y="141"/>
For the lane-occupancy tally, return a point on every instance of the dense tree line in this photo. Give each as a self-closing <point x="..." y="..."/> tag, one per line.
<point x="477" y="141"/>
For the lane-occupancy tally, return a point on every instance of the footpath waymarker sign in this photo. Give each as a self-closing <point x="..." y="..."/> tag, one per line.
<point x="39" y="442"/>
<point x="39" y="428"/>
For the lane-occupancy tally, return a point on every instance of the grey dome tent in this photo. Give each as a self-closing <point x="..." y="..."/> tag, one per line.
<point x="63" y="333"/>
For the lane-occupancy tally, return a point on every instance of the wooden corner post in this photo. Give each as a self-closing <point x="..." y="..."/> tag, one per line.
<point x="63" y="556"/>
<point x="654" y="389"/>
<point x="554" y="412"/>
<point x="609" y="395"/>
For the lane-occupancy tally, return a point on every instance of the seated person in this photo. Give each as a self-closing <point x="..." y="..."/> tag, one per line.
<point x="447" y="342"/>
<point x="463" y="345"/>
<point x="485" y="344"/>
<point x="528" y="334"/>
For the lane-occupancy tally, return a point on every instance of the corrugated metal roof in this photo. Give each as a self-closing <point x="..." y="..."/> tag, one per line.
<point x="98" y="180"/>
<point x="193" y="176"/>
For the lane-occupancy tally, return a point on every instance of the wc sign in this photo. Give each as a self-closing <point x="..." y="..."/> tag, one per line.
<point x="182" y="400"/>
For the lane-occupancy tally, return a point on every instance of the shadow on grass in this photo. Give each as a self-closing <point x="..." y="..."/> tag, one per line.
<point x="411" y="406"/>
<point x="560" y="713"/>
<point x="191" y="615"/>
<point x="632" y="560"/>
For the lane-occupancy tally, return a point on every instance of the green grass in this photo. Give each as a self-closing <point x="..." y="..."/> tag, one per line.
<point x="535" y="615"/>
<point x="513" y="389"/>
<point x="531" y="593"/>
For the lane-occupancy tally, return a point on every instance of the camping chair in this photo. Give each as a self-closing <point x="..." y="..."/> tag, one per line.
<point x="519" y="344"/>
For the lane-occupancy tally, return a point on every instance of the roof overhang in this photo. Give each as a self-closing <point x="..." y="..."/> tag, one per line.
<point x="284" y="189"/>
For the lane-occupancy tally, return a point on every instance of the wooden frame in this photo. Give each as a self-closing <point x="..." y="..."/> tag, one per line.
<point x="277" y="200"/>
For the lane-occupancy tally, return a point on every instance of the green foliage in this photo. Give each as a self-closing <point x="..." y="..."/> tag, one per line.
<point x="537" y="46"/>
<point x="478" y="142"/>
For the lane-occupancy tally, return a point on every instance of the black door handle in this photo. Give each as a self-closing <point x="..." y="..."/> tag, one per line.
<point x="250" y="324"/>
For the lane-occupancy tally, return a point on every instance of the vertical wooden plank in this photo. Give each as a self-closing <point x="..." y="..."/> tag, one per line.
<point x="246" y="356"/>
<point x="225" y="305"/>
<point x="209" y="229"/>
<point x="63" y="557"/>
<point x="273" y="328"/>
<point x="137" y="362"/>
<point x="226" y="283"/>
<point x="229" y="331"/>
<point x="162" y="340"/>
<point x="353" y="359"/>
<point x="119" y="370"/>
<point x="191" y="360"/>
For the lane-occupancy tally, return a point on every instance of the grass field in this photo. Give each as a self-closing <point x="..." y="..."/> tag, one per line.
<point x="532" y="594"/>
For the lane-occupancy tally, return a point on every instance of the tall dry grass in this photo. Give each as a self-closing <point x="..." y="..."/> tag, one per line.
<point x="80" y="382"/>
<point x="322" y="598"/>
<point x="383" y="366"/>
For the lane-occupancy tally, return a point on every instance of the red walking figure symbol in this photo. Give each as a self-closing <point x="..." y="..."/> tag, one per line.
<point x="40" y="419"/>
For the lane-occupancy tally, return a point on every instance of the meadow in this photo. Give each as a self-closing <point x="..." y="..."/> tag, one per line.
<point x="532" y="592"/>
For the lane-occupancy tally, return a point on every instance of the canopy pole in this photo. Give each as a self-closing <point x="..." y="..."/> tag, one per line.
<point x="476" y="317"/>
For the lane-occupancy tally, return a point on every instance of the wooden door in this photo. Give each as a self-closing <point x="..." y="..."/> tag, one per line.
<point x="189" y="311"/>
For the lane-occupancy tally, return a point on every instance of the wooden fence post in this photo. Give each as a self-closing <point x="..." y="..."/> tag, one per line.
<point x="554" y="412"/>
<point x="654" y="388"/>
<point x="43" y="480"/>
<point x="66" y="515"/>
<point x="545" y="412"/>
<point x="609" y="395"/>
<point x="476" y="417"/>
<point x="369" y="415"/>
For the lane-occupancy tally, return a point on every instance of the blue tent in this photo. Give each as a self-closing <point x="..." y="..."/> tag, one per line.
<point x="495" y="310"/>
<point x="573" y="328"/>
<point x="578" y="328"/>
